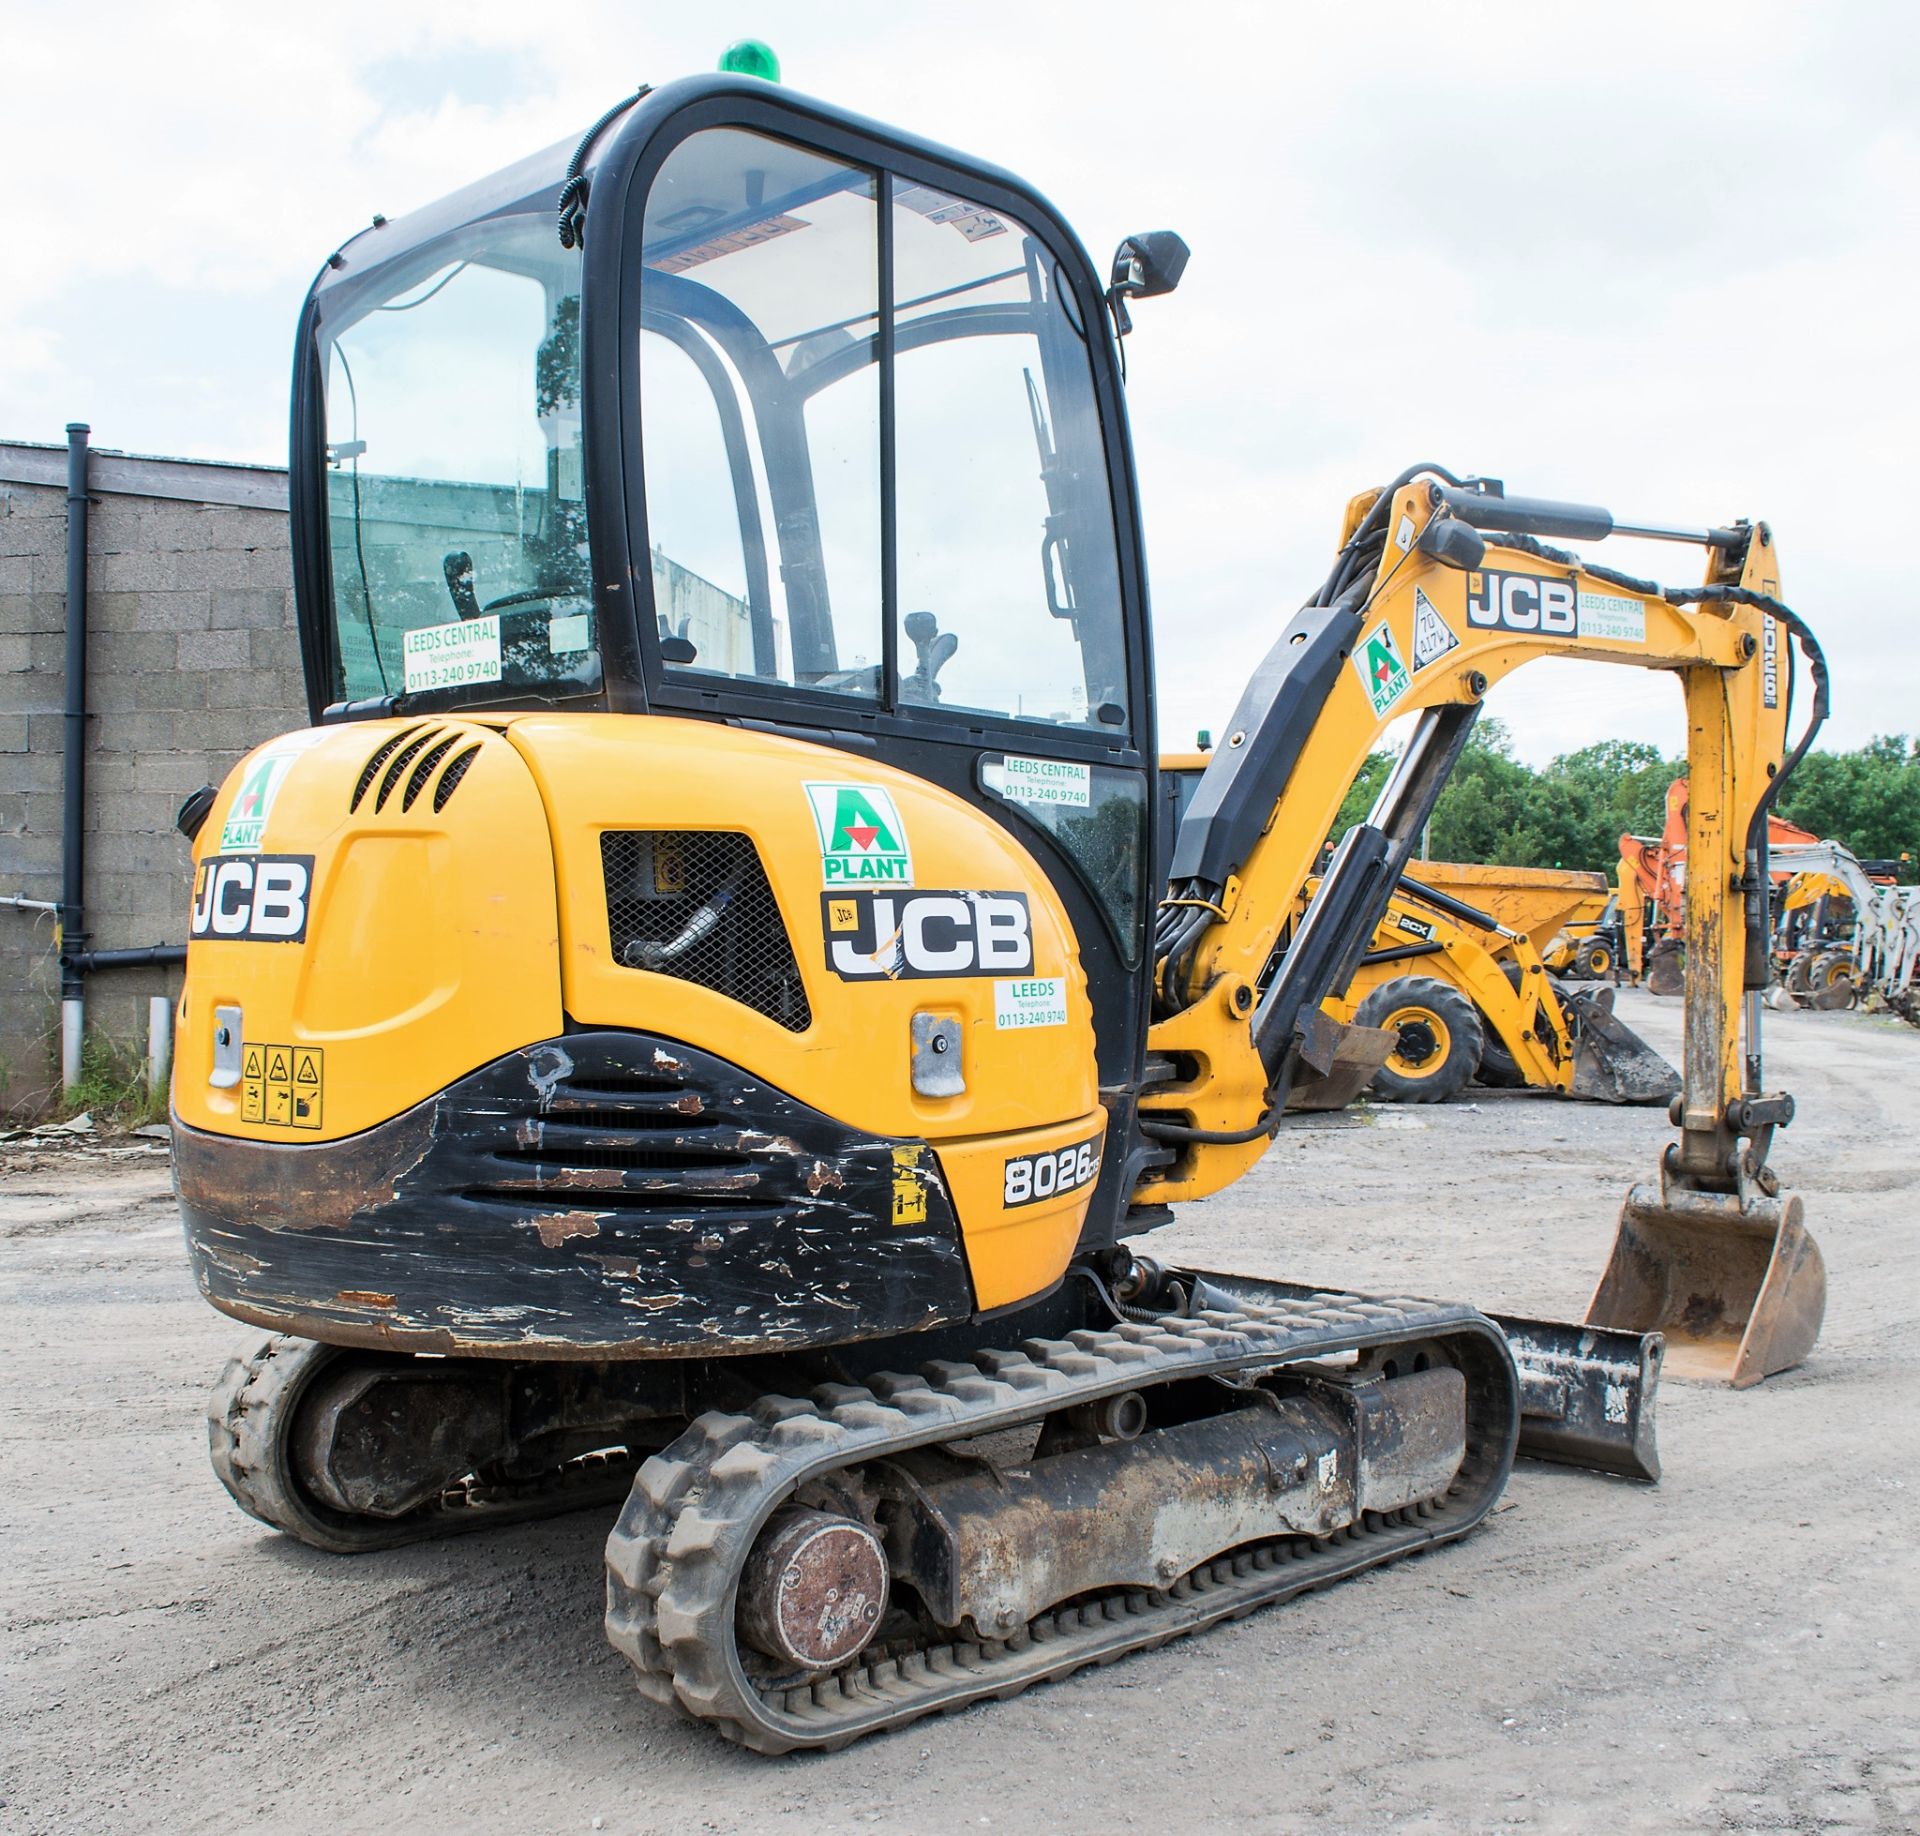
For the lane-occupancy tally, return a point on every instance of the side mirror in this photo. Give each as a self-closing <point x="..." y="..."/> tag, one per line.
<point x="1144" y="265"/>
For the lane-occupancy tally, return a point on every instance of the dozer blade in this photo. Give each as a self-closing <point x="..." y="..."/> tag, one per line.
<point x="1611" y="1062"/>
<point x="1738" y="1291"/>
<point x="1587" y="1394"/>
<point x="1337" y="1062"/>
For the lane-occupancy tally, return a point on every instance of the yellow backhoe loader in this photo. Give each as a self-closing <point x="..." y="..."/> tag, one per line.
<point x="1465" y="995"/>
<point x="696" y="1016"/>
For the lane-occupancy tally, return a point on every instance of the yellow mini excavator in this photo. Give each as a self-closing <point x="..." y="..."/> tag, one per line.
<point x="696" y="1016"/>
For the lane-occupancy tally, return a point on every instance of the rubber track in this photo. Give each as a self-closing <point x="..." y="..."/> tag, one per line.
<point x="675" y="1556"/>
<point x="255" y="1399"/>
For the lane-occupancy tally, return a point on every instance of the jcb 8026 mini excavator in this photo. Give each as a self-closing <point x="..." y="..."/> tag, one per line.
<point x="698" y="997"/>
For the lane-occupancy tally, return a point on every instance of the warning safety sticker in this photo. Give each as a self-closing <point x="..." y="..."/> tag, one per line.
<point x="909" y="1185"/>
<point x="1377" y="658"/>
<point x="1432" y="636"/>
<point x="281" y="1085"/>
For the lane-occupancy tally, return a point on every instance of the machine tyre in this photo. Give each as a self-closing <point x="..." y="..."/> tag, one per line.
<point x="1441" y="1039"/>
<point x="1498" y="1068"/>
<point x="250" y="1425"/>
<point x="1596" y="960"/>
<point x="253" y="1436"/>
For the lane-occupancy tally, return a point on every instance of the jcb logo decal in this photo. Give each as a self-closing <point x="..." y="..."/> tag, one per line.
<point x="261" y="896"/>
<point x="1521" y="602"/>
<point x="874" y="936"/>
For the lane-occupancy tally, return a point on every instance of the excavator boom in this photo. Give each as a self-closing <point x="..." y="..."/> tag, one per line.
<point x="1441" y="590"/>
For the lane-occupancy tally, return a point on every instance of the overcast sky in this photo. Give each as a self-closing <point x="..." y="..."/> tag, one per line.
<point x="1658" y="257"/>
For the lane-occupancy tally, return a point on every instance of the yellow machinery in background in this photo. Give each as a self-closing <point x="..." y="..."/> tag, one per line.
<point x="703" y="1015"/>
<point x="1468" y="998"/>
<point x="1464" y="990"/>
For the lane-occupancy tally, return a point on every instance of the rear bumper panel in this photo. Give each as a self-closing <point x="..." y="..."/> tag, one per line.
<point x="600" y="1195"/>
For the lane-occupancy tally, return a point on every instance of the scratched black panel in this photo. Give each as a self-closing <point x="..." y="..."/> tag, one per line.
<point x="599" y="1195"/>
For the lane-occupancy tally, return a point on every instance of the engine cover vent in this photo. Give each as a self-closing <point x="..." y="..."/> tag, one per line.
<point x="695" y="903"/>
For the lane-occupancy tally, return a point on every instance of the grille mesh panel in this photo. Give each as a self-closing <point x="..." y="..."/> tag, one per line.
<point x="373" y="765"/>
<point x="661" y="882"/>
<point x="399" y="765"/>
<point x="450" y="778"/>
<point x="417" y="778"/>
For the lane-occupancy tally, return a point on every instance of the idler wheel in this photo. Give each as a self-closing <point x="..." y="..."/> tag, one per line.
<point x="813" y="1590"/>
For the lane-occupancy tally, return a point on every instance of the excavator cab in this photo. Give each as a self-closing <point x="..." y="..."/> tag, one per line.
<point x="834" y="451"/>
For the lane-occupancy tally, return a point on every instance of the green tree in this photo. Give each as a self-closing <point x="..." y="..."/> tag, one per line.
<point x="1869" y="799"/>
<point x="1573" y="812"/>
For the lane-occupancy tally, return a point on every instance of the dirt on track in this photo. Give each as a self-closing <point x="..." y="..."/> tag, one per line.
<point x="1735" y="1649"/>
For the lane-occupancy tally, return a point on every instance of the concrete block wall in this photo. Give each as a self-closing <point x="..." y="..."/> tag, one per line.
<point x="192" y="658"/>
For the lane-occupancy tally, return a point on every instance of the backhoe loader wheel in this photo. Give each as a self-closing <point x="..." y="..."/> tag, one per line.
<point x="1597" y="960"/>
<point x="1441" y="1038"/>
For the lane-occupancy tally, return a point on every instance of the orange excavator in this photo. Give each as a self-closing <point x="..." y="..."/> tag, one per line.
<point x="1655" y="869"/>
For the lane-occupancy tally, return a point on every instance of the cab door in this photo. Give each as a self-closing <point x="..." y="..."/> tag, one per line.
<point x="878" y="493"/>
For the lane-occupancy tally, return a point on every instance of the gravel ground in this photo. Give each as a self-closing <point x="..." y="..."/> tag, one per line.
<point x="1732" y="1650"/>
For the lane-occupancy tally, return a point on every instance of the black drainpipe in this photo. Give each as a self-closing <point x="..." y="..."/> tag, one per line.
<point x="73" y="932"/>
<point x="162" y="955"/>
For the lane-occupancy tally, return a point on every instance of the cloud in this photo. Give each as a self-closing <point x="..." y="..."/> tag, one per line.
<point x="1654" y="256"/>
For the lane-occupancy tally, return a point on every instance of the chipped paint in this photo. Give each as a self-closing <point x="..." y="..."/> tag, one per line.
<point x="567" y="1201"/>
<point x="546" y="1066"/>
<point x="820" y="1177"/>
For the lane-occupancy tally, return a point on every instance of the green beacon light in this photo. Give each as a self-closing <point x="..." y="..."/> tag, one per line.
<point x="751" y="57"/>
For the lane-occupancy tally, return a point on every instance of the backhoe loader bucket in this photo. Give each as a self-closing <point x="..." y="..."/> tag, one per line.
<point x="1337" y="1062"/>
<point x="1739" y="1291"/>
<point x="1611" y="1062"/>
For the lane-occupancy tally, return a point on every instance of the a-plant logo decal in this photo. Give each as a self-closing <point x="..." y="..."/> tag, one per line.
<point x="863" y="842"/>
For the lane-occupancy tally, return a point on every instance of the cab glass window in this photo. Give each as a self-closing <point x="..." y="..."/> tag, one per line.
<point x="1006" y="524"/>
<point x="830" y="353"/>
<point x="759" y="260"/>
<point x="456" y="518"/>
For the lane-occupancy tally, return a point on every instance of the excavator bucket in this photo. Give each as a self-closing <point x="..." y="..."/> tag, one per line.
<point x="1666" y="968"/>
<point x="1611" y="1062"/>
<point x="1738" y="1290"/>
<point x="1337" y="1062"/>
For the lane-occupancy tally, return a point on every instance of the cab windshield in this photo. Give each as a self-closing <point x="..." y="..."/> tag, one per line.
<point x="872" y="455"/>
<point x="455" y="508"/>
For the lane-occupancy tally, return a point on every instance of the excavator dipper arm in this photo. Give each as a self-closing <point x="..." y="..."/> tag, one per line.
<point x="1439" y="591"/>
